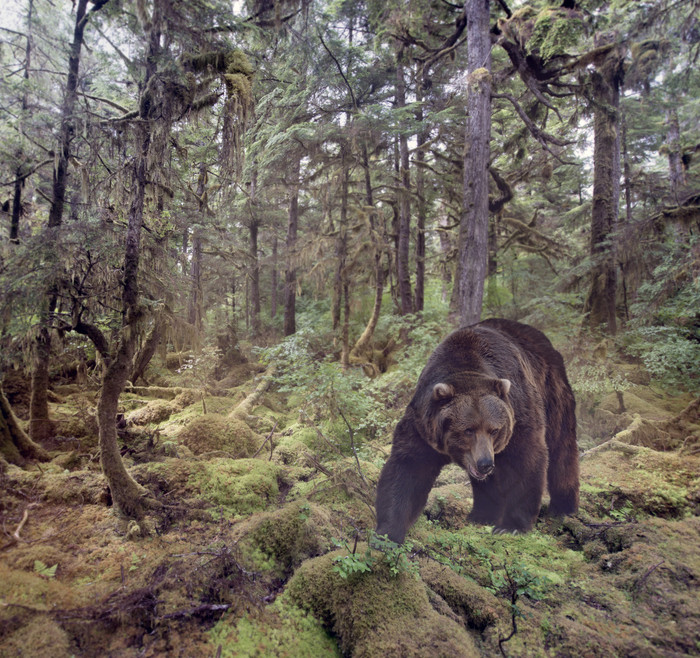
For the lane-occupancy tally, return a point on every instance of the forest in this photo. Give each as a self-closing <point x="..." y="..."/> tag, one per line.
<point x="231" y="234"/>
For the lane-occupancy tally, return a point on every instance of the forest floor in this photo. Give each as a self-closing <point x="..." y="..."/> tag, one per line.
<point x="262" y="548"/>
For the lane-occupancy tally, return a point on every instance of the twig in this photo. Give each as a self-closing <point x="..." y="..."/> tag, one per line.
<point x="320" y="433"/>
<point x="352" y="445"/>
<point x="269" y="436"/>
<point x="643" y="579"/>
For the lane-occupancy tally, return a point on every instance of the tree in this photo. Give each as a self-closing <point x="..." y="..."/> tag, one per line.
<point x="40" y="427"/>
<point x="473" y="228"/>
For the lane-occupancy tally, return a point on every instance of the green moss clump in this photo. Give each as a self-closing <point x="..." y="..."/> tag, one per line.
<point x="279" y="541"/>
<point x="241" y="487"/>
<point x="449" y="506"/>
<point x="646" y="482"/>
<point x="477" y="606"/>
<point x="41" y="636"/>
<point x="377" y="614"/>
<point x="155" y="411"/>
<point x="212" y="432"/>
<point x="282" y="630"/>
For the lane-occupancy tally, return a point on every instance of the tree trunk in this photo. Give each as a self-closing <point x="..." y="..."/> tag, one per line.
<point x="39" y="424"/>
<point x="253" y="290"/>
<point x="364" y="340"/>
<point x="341" y="243"/>
<point x="196" y="301"/>
<point x="675" y="162"/>
<point x="421" y="210"/>
<point x="146" y="353"/>
<point x="404" y="200"/>
<point x="473" y="228"/>
<point x="15" y="446"/>
<point x="19" y="172"/>
<point x="275" y="280"/>
<point x="127" y="494"/>
<point x="254" y="279"/>
<point x="290" y="277"/>
<point x="606" y="81"/>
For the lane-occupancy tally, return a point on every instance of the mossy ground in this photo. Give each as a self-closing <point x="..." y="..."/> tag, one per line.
<point x="245" y="560"/>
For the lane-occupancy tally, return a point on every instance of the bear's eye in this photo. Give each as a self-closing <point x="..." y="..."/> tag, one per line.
<point x="494" y="431"/>
<point x="469" y="432"/>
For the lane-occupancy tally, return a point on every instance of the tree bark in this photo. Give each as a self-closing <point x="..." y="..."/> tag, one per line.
<point x="290" y="277"/>
<point x="606" y="81"/>
<point x="146" y="353"/>
<point x="421" y="209"/>
<point x="127" y="494"/>
<point x="19" y="172"/>
<point x="473" y="229"/>
<point x="404" y="200"/>
<point x="254" y="290"/>
<point x="196" y="302"/>
<point x="274" y="283"/>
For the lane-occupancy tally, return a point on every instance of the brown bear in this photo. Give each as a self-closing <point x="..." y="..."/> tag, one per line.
<point x="493" y="398"/>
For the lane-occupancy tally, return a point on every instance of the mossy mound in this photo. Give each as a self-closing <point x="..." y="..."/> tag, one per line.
<point x="279" y="541"/>
<point x="156" y="411"/>
<point x="476" y="605"/>
<point x="377" y="614"/>
<point x="214" y="432"/>
<point x="40" y="636"/>
<point x="449" y="505"/>
<point x="282" y="629"/>
<point x="239" y="487"/>
<point x="56" y="484"/>
<point x="625" y="481"/>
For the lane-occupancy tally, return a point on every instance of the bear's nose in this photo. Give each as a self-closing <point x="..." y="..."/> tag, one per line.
<point x="484" y="465"/>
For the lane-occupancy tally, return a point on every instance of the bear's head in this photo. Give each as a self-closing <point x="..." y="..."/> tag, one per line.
<point x="469" y="418"/>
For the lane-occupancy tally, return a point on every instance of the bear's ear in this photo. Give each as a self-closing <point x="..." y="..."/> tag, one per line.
<point x="502" y="387"/>
<point x="442" y="391"/>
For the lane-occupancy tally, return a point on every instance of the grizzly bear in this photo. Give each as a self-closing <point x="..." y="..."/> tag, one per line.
<point x="493" y="398"/>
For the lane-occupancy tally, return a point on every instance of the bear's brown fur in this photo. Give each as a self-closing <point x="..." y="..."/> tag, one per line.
<point x="493" y="398"/>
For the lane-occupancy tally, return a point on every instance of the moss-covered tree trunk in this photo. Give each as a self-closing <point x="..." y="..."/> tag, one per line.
<point x="606" y="80"/>
<point x="15" y="445"/>
<point x="363" y="342"/>
<point x="474" y="221"/>
<point x="127" y="494"/>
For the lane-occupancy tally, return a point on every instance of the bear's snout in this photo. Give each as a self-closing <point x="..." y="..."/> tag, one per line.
<point x="484" y="466"/>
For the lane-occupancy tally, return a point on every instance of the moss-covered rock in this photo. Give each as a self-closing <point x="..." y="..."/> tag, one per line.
<point x="377" y="614"/>
<point x="214" y="432"/>
<point x="277" y="542"/>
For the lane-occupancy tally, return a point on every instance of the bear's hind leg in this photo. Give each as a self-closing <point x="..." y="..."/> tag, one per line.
<point x="563" y="468"/>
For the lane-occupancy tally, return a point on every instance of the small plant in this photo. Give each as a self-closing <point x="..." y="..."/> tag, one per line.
<point x="201" y="368"/>
<point x="395" y="555"/>
<point x="346" y="565"/>
<point x="45" y="571"/>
